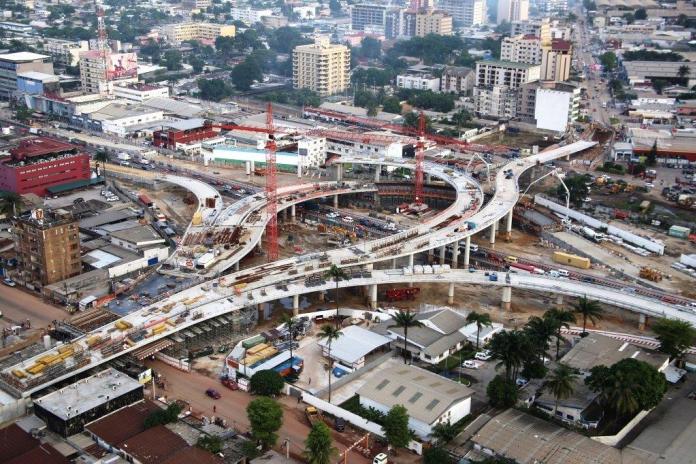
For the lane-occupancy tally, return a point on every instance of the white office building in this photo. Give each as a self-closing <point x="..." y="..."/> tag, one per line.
<point x="512" y="10"/>
<point x="556" y="108"/>
<point x="466" y="13"/>
<point x="418" y="82"/>
<point x="521" y="49"/>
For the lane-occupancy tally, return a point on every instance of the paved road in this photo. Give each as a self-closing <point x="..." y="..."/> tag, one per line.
<point x="232" y="407"/>
<point x="19" y="305"/>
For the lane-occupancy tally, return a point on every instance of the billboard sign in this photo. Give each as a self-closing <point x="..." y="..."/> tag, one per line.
<point x="122" y="66"/>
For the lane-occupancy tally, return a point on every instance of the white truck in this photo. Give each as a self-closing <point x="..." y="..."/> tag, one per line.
<point x="123" y="156"/>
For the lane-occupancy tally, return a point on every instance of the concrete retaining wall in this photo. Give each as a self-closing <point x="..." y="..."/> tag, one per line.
<point x="613" y="440"/>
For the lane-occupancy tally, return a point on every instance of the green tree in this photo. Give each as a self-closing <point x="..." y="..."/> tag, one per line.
<point x="502" y="393"/>
<point x="285" y="39"/>
<point x="266" y="382"/>
<point x="266" y="417"/>
<point x="481" y="320"/>
<point x="404" y="320"/>
<point x="291" y="323"/>
<point x="509" y="348"/>
<point x="336" y="274"/>
<point x="628" y="386"/>
<point x="436" y="455"/>
<point x="210" y="443"/>
<point x="197" y="64"/>
<point x="172" y="60"/>
<point x="461" y="117"/>
<point x="245" y="73"/>
<point x="675" y="336"/>
<point x="225" y="46"/>
<point x="609" y="61"/>
<point x="395" y="427"/>
<point x="372" y="110"/>
<point x="539" y="332"/>
<point x="444" y="433"/>
<point x="588" y="309"/>
<point x="335" y="7"/>
<point x="318" y="445"/>
<point x="651" y="159"/>
<point x="11" y="204"/>
<point x="576" y="186"/>
<point x="329" y="333"/>
<point x="559" y="318"/>
<point x="101" y="156"/>
<point x="213" y="89"/>
<point x="561" y="383"/>
<point x="640" y="14"/>
<point x="370" y="48"/>
<point x="683" y="73"/>
<point x="23" y="114"/>
<point x="411" y="120"/>
<point x="391" y="105"/>
<point x="163" y="416"/>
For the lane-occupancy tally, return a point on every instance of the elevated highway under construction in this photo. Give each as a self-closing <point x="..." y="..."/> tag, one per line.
<point x="290" y="278"/>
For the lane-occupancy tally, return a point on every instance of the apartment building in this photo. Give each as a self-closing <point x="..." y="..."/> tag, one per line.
<point x="140" y="92"/>
<point x="457" y="79"/>
<point x="556" y="60"/>
<point x="322" y="67"/>
<point x="497" y="84"/>
<point x="539" y="28"/>
<point x="433" y="22"/>
<point x="250" y="16"/>
<point x="549" y="105"/>
<point x="521" y="49"/>
<point x="12" y="64"/>
<point x="97" y="76"/>
<point x="196" y="6"/>
<point x="177" y="33"/>
<point x="465" y="13"/>
<point x="48" y="247"/>
<point x="512" y="10"/>
<point x="379" y="19"/>
<point x="65" y="52"/>
<point x="418" y="82"/>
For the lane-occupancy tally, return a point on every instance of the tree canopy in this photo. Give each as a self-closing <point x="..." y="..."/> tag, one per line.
<point x="266" y="382"/>
<point x="245" y="73"/>
<point x="609" y="60"/>
<point x="395" y="427"/>
<point x="502" y="392"/>
<point x="266" y="417"/>
<point x="285" y="39"/>
<point x="318" y="445"/>
<point x="213" y="89"/>
<point x="675" y="336"/>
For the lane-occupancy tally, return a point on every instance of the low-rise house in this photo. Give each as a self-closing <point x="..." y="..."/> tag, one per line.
<point x="429" y="398"/>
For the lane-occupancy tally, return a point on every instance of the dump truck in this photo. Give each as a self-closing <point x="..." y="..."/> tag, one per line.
<point x="312" y="414"/>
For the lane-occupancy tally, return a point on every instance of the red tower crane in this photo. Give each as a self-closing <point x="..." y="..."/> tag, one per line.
<point x="420" y="156"/>
<point x="271" y="189"/>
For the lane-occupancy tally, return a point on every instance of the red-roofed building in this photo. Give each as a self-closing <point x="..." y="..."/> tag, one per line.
<point x="40" y="163"/>
<point x="556" y="60"/>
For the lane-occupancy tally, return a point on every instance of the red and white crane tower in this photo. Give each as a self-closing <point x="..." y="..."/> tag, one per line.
<point x="102" y="39"/>
<point x="420" y="156"/>
<point x="271" y="189"/>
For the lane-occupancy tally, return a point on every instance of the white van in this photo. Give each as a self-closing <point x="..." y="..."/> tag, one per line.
<point x="539" y="271"/>
<point x="381" y="458"/>
<point x="563" y="273"/>
<point x="554" y="273"/>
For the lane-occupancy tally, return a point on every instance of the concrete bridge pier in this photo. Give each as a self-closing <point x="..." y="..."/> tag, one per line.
<point x="642" y="320"/>
<point x="373" y="296"/>
<point x="450" y="293"/>
<point x="467" y="251"/>
<point x="236" y="266"/>
<point x="335" y="201"/>
<point x="378" y="172"/>
<point x="443" y="250"/>
<point x="339" y="172"/>
<point x="295" y="305"/>
<point x="259" y="309"/>
<point x="508" y="226"/>
<point x="285" y="215"/>
<point x="506" y="300"/>
<point x="493" y="228"/>
<point x="393" y="264"/>
<point x="292" y="213"/>
<point x="431" y="252"/>
<point x="410" y="264"/>
<point x="559" y="300"/>
<point x="455" y="254"/>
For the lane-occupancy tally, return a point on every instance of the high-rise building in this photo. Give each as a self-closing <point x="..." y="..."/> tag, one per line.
<point x="512" y="10"/>
<point x="377" y="18"/>
<point x="99" y="75"/>
<point x="12" y="64"/>
<point x="322" y="67"/>
<point x="433" y="22"/>
<point x="497" y="84"/>
<point x="539" y="28"/>
<point x="465" y="12"/>
<point x="48" y="247"/>
<point x="556" y="60"/>
<point x="196" y="6"/>
<point x="65" y="52"/>
<point x="180" y="32"/>
<point x="521" y="49"/>
<point x="553" y="6"/>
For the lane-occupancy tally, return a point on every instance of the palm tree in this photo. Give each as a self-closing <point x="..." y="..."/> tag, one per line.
<point x="561" y="383"/>
<point x="337" y="274"/>
<point x="329" y="333"/>
<point x="559" y="318"/>
<point x="589" y="309"/>
<point x="510" y="348"/>
<point x="683" y="71"/>
<point x="481" y="320"/>
<point x="406" y="319"/>
<point x="291" y="323"/>
<point x="12" y="204"/>
<point x="539" y="331"/>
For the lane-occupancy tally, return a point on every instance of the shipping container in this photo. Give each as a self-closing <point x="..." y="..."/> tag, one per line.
<point x="571" y="260"/>
<point x="679" y="232"/>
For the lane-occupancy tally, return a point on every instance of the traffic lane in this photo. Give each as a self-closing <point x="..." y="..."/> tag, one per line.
<point x="191" y="388"/>
<point x="18" y="305"/>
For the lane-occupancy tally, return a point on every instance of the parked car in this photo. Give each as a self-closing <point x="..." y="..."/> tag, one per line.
<point x="213" y="393"/>
<point x="381" y="458"/>
<point x="471" y="364"/>
<point x="9" y="282"/>
<point x="484" y="355"/>
<point x="340" y="424"/>
<point x="521" y="381"/>
<point x="348" y="219"/>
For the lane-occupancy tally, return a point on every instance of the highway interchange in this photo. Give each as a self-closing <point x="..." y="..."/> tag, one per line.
<point x="286" y="278"/>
